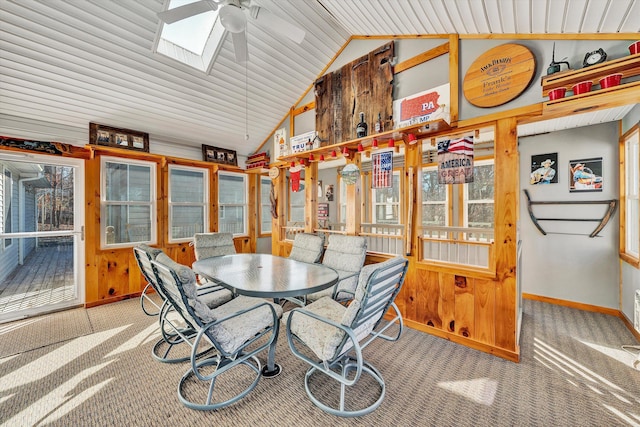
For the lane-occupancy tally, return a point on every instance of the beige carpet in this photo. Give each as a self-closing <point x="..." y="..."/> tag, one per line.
<point x="573" y="373"/>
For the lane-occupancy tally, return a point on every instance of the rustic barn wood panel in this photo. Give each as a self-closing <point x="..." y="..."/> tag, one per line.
<point x="363" y="85"/>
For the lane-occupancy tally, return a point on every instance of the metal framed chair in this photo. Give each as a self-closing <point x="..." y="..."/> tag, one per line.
<point x="346" y="255"/>
<point x="238" y="330"/>
<point x="335" y="334"/>
<point x="307" y="247"/>
<point x="207" y="245"/>
<point x="167" y="349"/>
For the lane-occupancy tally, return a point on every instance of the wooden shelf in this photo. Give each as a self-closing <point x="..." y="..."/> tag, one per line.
<point x="628" y="66"/>
<point x="624" y="94"/>
<point x="401" y="135"/>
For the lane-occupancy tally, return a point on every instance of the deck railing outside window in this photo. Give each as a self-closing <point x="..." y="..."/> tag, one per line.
<point x="459" y="245"/>
<point x="384" y="238"/>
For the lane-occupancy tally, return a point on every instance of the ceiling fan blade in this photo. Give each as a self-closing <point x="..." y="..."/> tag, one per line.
<point x="240" y="46"/>
<point x="188" y="10"/>
<point x="278" y="24"/>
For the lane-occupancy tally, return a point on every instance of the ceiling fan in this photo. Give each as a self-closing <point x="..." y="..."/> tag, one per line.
<point x="232" y="15"/>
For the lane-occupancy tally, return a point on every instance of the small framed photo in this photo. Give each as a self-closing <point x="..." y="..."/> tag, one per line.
<point x="103" y="137"/>
<point x="117" y="137"/>
<point x="585" y="175"/>
<point x="543" y="169"/>
<point x="137" y="142"/>
<point x="122" y="139"/>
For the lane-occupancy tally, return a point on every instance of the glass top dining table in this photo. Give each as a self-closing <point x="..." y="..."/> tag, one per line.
<point x="265" y="275"/>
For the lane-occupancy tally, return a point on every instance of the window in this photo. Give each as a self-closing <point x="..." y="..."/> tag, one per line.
<point x="297" y="201"/>
<point x="631" y="205"/>
<point x="128" y="202"/>
<point x="188" y="202"/>
<point x="434" y="199"/>
<point x="386" y="202"/>
<point x="479" y="196"/>
<point x="232" y="203"/>
<point x="265" y="205"/>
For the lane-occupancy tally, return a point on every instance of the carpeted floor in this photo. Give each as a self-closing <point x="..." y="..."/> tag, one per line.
<point x="94" y="368"/>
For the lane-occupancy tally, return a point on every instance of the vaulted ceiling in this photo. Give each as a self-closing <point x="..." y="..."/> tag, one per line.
<point x="65" y="63"/>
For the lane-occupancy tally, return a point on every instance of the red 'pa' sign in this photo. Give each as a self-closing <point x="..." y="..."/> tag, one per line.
<point x="419" y="106"/>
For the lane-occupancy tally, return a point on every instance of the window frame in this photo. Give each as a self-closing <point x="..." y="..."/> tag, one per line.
<point x="396" y="172"/>
<point x="261" y="205"/>
<point x="629" y="170"/>
<point x="465" y="195"/>
<point x="6" y="243"/>
<point x="447" y="200"/>
<point x="245" y="205"/>
<point x="153" y="205"/>
<point x="204" y="204"/>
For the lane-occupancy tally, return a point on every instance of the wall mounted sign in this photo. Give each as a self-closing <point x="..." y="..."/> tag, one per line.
<point x="499" y="75"/>
<point x="428" y="105"/>
<point x="117" y="137"/>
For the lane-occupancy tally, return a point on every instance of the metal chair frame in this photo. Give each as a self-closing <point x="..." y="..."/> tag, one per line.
<point x="222" y="361"/>
<point x="381" y="289"/>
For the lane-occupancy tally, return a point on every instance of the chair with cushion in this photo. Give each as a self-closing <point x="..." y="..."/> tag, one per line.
<point x="238" y="330"/>
<point x="167" y="348"/>
<point x="207" y="245"/>
<point x="336" y="335"/>
<point x="346" y="255"/>
<point x="145" y="253"/>
<point x="307" y="247"/>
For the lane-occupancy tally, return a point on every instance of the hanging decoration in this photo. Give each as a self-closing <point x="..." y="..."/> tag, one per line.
<point x="294" y="174"/>
<point x="382" y="168"/>
<point x="455" y="159"/>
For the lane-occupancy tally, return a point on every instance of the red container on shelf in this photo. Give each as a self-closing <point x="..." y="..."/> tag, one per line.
<point x="582" y="87"/>
<point x="557" y="93"/>
<point x="610" y="81"/>
<point x="634" y="47"/>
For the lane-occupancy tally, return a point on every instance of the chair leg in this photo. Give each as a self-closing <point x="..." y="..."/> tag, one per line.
<point x="347" y="365"/>
<point x="144" y="297"/>
<point x="208" y="403"/>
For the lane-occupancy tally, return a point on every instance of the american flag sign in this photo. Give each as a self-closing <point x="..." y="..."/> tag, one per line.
<point x="382" y="169"/>
<point x="455" y="160"/>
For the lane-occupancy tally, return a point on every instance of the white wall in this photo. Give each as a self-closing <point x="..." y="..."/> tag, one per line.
<point x="569" y="266"/>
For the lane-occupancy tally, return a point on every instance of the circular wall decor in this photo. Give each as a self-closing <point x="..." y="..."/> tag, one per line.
<point x="274" y="172"/>
<point x="499" y="75"/>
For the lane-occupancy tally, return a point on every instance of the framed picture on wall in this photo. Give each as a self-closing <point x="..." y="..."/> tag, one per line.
<point x="219" y="155"/>
<point x="585" y="175"/>
<point x="118" y="137"/>
<point x="543" y="169"/>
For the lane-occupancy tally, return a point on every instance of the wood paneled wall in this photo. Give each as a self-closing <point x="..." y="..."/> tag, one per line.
<point x="112" y="274"/>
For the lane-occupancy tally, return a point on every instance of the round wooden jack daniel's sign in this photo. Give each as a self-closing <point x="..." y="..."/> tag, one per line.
<point x="499" y="75"/>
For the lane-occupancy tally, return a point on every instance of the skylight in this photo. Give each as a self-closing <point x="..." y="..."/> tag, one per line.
<point x="194" y="41"/>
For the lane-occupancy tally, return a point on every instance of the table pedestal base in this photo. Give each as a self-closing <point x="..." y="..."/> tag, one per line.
<point x="266" y="373"/>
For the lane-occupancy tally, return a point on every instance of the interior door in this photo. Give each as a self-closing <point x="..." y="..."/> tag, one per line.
<point x="41" y="234"/>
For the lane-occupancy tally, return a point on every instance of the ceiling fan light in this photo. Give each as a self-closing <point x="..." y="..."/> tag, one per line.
<point x="232" y="18"/>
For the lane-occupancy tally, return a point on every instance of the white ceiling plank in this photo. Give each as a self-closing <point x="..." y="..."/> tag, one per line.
<point x="522" y="14"/>
<point x="630" y="22"/>
<point x="507" y="17"/>
<point x="442" y="12"/>
<point x="615" y="14"/>
<point x="539" y="13"/>
<point x="478" y="14"/>
<point x="494" y="16"/>
<point x="576" y="18"/>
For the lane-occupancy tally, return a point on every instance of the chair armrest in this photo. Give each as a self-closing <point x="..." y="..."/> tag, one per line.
<point x="324" y="367"/>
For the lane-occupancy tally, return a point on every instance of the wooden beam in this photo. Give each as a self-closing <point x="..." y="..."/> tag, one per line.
<point x="421" y="58"/>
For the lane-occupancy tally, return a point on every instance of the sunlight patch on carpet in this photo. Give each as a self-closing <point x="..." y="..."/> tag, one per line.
<point x="480" y="390"/>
